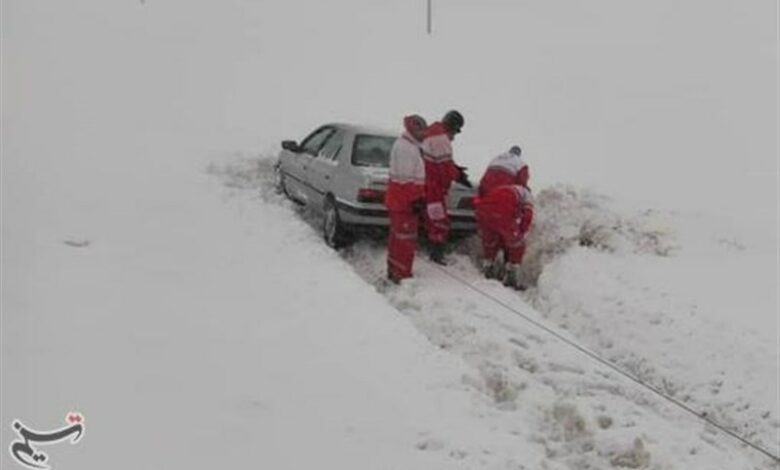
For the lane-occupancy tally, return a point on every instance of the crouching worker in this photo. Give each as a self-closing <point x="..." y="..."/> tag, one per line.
<point x="507" y="168"/>
<point x="405" y="198"/>
<point x="504" y="216"/>
<point x="504" y="211"/>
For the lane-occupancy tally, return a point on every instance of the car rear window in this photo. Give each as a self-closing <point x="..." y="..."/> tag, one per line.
<point x="372" y="150"/>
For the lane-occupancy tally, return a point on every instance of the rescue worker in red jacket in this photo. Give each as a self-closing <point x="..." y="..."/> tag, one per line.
<point x="507" y="168"/>
<point x="440" y="172"/>
<point x="504" y="211"/>
<point x="405" y="198"/>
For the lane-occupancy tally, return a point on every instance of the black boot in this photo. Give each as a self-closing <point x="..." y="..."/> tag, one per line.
<point x="489" y="269"/>
<point x="437" y="254"/>
<point x="513" y="278"/>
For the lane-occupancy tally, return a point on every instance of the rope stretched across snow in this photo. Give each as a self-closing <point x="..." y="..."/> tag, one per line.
<point x="702" y="416"/>
<point x="599" y="359"/>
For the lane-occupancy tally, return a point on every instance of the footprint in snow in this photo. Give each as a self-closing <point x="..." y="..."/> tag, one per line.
<point x="430" y="444"/>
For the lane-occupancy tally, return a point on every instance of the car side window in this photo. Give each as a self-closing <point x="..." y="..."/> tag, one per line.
<point x="313" y="143"/>
<point x="333" y="145"/>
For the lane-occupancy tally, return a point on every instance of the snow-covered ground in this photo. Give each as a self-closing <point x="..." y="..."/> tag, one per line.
<point x="596" y="275"/>
<point x="152" y="280"/>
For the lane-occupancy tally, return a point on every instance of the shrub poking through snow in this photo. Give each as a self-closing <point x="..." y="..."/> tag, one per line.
<point x="630" y="456"/>
<point x="605" y="422"/>
<point x="500" y="388"/>
<point x="570" y="421"/>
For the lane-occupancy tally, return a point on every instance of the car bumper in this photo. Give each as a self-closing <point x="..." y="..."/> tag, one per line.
<point x="376" y="216"/>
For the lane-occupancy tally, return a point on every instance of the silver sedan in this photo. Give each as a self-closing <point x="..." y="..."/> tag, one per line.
<point x="341" y="171"/>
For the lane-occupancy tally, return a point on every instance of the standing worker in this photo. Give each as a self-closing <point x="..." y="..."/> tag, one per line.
<point x="440" y="172"/>
<point x="405" y="198"/>
<point x="504" y="210"/>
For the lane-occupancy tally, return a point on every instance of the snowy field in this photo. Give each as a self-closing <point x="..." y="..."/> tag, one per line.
<point x="595" y="273"/>
<point x="154" y="281"/>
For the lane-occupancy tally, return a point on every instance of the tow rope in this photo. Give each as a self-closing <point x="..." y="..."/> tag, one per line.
<point x="700" y="415"/>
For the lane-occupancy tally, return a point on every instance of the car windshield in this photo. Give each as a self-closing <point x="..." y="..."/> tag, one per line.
<point x="372" y="150"/>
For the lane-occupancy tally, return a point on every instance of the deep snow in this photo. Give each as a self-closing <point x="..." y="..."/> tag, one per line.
<point x="594" y="276"/>
<point x="201" y="327"/>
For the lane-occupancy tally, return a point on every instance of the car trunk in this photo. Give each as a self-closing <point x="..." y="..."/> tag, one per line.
<point x="376" y="178"/>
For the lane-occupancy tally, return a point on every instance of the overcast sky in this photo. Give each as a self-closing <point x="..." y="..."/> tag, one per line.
<point x="662" y="103"/>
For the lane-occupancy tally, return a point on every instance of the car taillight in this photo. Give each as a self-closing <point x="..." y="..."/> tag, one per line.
<point x="370" y="195"/>
<point x="466" y="203"/>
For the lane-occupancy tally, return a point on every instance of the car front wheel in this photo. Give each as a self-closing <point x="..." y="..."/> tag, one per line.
<point x="279" y="183"/>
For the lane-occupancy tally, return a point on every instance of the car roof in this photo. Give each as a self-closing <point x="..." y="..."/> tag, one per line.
<point x="363" y="129"/>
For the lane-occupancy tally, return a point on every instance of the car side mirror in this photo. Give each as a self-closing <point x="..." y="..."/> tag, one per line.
<point x="290" y="145"/>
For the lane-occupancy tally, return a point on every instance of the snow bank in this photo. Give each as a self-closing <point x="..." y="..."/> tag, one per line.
<point x="567" y="217"/>
<point x="637" y="292"/>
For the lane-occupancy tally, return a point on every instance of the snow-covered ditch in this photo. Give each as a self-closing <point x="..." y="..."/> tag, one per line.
<point x="622" y="286"/>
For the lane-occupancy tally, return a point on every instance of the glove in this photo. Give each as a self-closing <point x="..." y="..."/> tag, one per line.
<point x="435" y="211"/>
<point x="418" y="206"/>
<point x="463" y="178"/>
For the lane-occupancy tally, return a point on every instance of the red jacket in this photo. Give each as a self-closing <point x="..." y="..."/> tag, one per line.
<point x="505" y="169"/>
<point x="440" y="170"/>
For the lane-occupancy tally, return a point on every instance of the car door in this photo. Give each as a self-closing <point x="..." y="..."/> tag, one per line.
<point x="298" y="170"/>
<point x="321" y="170"/>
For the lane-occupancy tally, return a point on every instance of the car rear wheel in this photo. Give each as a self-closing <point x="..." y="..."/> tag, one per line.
<point x="335" y="233"/>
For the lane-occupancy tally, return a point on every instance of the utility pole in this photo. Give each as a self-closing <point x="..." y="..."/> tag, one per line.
<point x="430" y="20"/>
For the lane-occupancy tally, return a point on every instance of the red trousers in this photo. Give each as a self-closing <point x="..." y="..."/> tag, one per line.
<point x="438" y="179"/>
<point x="402" y="243"/>
<point x="501" y="233"/>
<point x="437" y="222"/>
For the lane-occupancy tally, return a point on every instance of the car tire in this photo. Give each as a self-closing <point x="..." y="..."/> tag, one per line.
<point x="279" y="184"/>
<point x="334" y="231"/>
